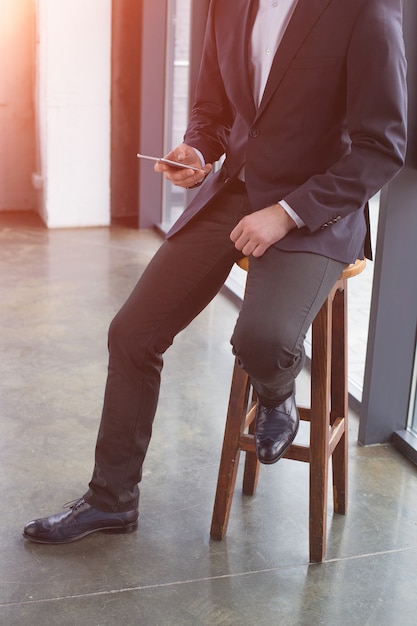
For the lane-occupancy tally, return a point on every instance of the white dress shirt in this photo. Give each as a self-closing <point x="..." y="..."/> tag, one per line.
<point x="268" y="30"/>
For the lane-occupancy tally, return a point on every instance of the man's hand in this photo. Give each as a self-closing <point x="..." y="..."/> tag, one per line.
<point x="183" y="177"/>
<point x="256" y="232"/>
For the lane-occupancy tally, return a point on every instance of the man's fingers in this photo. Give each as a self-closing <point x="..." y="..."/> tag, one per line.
<point x="236" y="232"/>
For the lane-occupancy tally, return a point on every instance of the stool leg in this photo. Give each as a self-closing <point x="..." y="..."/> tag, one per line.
<point x="320" y="430"/>
<point x="229" y="461"/>
<point x="252" y="465"/>
<point x="339" y="396"/>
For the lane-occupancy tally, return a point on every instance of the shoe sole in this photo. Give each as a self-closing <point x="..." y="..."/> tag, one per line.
<point x="121" y="530"/>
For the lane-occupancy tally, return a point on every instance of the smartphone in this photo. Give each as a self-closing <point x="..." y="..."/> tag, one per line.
<point x="168" y="162"/>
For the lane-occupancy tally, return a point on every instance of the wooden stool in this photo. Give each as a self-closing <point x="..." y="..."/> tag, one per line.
<point x="327" y="415"/>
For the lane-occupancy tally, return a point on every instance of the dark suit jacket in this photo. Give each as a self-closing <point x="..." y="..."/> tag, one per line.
<point x="330" y="130"/>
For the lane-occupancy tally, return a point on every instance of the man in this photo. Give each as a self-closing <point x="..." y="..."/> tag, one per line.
<point x="306" y="98"/>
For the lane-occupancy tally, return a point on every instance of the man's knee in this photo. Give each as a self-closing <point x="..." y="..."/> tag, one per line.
<point x="263" y="354"/>
<point x="119" y="336"/>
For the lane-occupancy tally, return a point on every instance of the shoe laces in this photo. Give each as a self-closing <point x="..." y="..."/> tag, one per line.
<point x="74" y="504"/>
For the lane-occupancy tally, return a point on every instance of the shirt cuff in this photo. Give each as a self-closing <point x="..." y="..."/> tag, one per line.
<point x="297" y="219"/>
<point x="200" y="156"/>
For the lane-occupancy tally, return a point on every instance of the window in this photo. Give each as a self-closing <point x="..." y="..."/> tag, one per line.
<point x="406" y="440"/>
<point x="176" y="98"/>
<point x="412" y="421"/>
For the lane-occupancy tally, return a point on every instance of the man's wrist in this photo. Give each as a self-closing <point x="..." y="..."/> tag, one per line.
<point x="200" y="156"/>
<point x="293" y="215"/>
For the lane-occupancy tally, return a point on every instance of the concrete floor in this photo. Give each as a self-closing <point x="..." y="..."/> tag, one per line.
<point x="59" y="290"/>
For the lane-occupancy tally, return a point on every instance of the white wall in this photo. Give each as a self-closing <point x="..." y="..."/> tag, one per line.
<point x="73" y="111"/>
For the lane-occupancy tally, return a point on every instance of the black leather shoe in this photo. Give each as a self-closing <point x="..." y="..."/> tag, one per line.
<point x="275" y="430"/>
<point x="80" y="520"/>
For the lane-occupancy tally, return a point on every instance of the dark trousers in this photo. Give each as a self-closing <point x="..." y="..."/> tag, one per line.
<point x="284" y="292"/>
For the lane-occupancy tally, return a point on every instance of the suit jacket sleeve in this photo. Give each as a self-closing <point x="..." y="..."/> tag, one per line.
<point x="376" y="121"/>
<point x="212" y="114"/>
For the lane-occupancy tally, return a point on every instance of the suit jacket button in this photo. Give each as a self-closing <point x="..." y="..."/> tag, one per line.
<point x="254" y="132"/>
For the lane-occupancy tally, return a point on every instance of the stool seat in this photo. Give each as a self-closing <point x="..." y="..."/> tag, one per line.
<point x="350" y="270"/>
<point x="327" y="416"/>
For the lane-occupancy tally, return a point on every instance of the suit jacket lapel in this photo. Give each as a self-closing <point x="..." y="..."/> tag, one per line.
<point x="303" y="19"/>
<point x="243" y="57"/>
